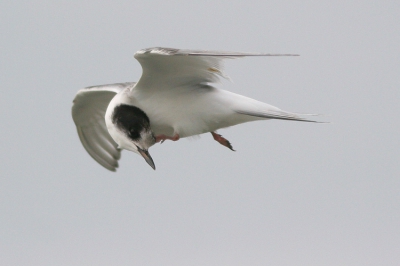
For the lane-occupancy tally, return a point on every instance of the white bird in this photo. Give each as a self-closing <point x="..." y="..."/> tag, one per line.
<point x="173" y="99"/>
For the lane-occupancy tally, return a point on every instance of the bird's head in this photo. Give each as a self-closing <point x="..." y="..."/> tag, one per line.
<point x="132" y="131"/>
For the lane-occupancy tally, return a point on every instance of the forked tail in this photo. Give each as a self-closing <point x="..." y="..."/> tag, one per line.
<point x="282" y="115"/>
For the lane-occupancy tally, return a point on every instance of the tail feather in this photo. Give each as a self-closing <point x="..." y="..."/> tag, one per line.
<point x="281" y="115"/>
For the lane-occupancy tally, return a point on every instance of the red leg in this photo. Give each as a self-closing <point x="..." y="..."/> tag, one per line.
<point x="222" y="140"/>
<point x="163" y="137"/>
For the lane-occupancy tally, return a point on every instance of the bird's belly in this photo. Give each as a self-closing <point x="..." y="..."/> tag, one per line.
<point x="191" y="121"/>
<point x="190" y="112"/>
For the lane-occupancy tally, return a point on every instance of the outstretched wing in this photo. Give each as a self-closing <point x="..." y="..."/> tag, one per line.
<point x="165" y="68"/>
<point x="88" y="111"/>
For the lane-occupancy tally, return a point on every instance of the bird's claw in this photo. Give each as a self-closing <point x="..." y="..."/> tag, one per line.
<point x="161" y="138"/>
<point x="223" y="141"/>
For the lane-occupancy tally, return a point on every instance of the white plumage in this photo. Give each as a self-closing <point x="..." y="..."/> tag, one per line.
<point x="176" y="95"/>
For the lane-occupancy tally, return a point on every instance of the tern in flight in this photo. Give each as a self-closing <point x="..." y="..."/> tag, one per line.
<point x="173" y="99"/>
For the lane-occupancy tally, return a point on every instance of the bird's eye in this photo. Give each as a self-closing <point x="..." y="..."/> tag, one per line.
<point x="134" y="134"/>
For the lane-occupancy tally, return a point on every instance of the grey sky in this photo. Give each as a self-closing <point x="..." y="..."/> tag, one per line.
<point x="292" y="194"/>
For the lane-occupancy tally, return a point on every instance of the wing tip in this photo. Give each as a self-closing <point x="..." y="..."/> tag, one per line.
<point x="111" y="169"/>
<point x="112" y="166"/>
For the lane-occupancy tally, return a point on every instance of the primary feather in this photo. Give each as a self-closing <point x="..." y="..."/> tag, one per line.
<point x="90" y="105"/>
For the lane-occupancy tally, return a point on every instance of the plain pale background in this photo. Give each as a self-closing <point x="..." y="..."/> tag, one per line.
<point x="292" y="194"/>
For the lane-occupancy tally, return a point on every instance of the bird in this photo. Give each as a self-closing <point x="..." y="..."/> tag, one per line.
<point x="173" y="99"/>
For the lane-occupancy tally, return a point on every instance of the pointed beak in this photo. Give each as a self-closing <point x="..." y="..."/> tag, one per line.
<point x="147" y="157"/>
